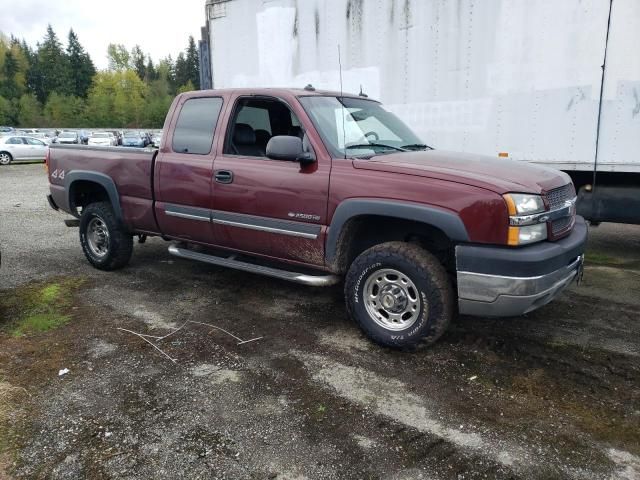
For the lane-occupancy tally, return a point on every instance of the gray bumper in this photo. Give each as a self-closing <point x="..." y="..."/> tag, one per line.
<point x="499" y="296"/>
<point x="503" y="282"/>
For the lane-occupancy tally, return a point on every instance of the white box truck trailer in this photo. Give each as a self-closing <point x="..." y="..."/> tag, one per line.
<point x="517" y="78"/>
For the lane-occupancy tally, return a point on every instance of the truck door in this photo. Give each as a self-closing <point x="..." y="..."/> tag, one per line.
<point x="184" y="169"/>
<point x="269" y="207"/>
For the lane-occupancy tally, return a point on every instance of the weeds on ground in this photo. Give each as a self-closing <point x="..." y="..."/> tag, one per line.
<point x="37" y="307"/>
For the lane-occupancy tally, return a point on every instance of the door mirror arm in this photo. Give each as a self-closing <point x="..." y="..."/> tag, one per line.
<point x="306" y="158"/>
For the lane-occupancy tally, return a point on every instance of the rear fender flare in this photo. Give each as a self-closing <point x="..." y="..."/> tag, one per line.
<point x="447" y="221"/>
<point x="101" y="179"/>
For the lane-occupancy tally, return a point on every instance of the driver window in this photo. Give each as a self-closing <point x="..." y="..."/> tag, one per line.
<point x="255" y="121"/>
<point x="33" y="141"/>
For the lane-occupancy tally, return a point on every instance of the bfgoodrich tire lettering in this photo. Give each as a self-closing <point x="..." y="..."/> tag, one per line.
<point x="417" y="303"/>
<point x="105" y="241"/>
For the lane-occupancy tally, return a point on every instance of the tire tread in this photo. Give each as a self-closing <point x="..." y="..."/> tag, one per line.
<point x="437" y="279"/>
<point x="121" y="240"/>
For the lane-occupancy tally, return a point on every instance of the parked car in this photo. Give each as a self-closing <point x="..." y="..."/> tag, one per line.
<point x="156" y="139"/>
<point x="133" y="139"/>
<point x="6" y="129"/>
<point x="69" y="138"/>
<point x="117" y="137"/>
<point x="102" y="139"/>
<point x="20" y="148"/>
<point x="314" y="186"/>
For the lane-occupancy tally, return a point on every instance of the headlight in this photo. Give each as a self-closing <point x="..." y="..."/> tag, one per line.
<point x="523" y="204"/>
<point x="528" y="234"/>
<point x="526" y="224"/>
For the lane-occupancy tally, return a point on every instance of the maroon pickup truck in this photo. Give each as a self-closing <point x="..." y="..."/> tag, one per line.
<point x="311" y="187"/>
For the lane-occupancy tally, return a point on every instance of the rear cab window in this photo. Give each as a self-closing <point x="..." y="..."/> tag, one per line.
<point x="196" y="124"/>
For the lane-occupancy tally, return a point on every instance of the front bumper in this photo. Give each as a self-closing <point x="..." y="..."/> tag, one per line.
<point x="502" y="282"/>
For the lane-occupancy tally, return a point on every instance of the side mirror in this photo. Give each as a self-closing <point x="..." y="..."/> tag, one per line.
<point x="285" y="147"/>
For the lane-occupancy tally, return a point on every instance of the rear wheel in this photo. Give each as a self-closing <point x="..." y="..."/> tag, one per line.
<point x="400" y="295"/>
<point x="5" y="158"/>
<point x="105" y="241"/>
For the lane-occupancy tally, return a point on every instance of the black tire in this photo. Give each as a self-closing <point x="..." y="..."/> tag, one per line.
<point x="426" y="280"/>
<point x="118" y="247"/>
<point x="5" y="158"/>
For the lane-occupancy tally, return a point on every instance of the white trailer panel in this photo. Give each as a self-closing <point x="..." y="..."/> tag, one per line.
<point x="515" y="76"/>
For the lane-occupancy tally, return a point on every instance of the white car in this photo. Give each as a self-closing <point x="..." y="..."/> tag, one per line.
<point x="21" y="148"/>
<point x="102" y="139"/>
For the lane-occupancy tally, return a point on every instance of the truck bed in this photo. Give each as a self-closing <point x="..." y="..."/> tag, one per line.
<point x="129" y="168"/>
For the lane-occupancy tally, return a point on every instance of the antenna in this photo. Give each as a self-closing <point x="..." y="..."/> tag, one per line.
<point x="344" y="130"/>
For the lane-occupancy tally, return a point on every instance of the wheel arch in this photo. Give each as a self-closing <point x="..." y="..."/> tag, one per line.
<point x="84" y="187"/>
<point x="359" y="224"/>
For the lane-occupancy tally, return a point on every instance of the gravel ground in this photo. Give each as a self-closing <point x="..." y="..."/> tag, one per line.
<point x="555" y="394"/>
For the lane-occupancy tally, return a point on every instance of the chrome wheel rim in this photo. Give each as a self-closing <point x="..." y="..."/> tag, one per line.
<point x="5" y="159"/>
<point x="392" y="299"/>
<point x="98" y="237"/>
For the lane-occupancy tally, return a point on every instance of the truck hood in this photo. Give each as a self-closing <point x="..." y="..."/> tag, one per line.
<point x="495" y="174"/>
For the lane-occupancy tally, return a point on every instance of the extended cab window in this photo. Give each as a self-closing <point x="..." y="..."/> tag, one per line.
<point x="255" y="121"/>
<point x="196" y="124"/>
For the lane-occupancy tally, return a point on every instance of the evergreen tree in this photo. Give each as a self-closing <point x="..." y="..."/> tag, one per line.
<point x="81" y="65"/>
<point x="32" y="79"/>
<point x="193" y="64"/>
<point x="53" y="67"/>
<point x="181" y="71"/>
<point x="150" y="73"/>
<point x="8" y="86"/>
<point x="137" y="62"/>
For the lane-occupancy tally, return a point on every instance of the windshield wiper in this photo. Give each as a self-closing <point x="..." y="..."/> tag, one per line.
<point x="418" y="146"/>
<point x="379" y="145"/>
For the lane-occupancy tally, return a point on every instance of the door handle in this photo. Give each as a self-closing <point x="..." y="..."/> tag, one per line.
<point x="223" y="176"/>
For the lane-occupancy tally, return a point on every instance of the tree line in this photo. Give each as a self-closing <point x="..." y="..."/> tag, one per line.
<point x="59" y="86"/>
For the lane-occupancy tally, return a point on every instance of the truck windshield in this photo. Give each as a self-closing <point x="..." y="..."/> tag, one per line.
<point x="359" y="127"/>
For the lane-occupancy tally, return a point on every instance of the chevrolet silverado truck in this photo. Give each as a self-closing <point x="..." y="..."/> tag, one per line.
<point x="319" y="187"/>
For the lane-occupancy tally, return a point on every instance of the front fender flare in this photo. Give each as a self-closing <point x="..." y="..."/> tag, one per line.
<point x="445" y="220"/>
<point x="101" y="179"/>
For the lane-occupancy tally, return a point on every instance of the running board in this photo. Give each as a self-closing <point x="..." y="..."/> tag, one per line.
<point x="305" y="279"/>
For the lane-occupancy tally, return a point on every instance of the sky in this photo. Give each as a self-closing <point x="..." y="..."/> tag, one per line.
<point x="161" y="28"/>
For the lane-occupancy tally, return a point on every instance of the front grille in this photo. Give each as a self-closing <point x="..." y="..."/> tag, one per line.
<point x="561" y="225"/>
<point x="556" y="197"/>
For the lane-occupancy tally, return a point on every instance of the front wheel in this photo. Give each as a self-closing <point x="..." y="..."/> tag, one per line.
<point x="5" y="158"/>
<point x="400" y="295"/>
<point x="105" y="242"/>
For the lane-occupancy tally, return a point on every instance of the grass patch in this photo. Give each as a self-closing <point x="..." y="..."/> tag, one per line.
<point x="37" y="308"/>
<point x="602" y="259"/>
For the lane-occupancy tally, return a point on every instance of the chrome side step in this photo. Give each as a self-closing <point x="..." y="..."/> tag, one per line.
<point x="305" y="279"/>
